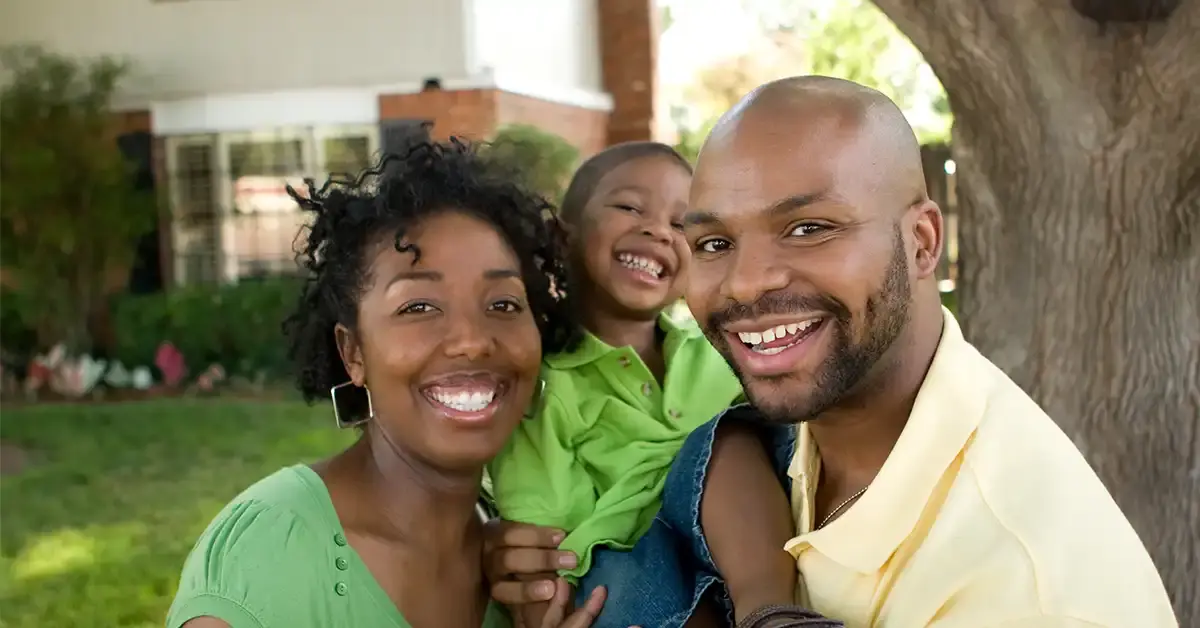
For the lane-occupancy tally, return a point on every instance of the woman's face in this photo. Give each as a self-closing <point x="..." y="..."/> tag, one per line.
<point x="447" y="346"/>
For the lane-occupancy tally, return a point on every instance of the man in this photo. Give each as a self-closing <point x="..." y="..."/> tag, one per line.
<point x="926" y="488"/>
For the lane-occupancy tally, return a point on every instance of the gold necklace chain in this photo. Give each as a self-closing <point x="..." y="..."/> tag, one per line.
<point x="842" y="505"/>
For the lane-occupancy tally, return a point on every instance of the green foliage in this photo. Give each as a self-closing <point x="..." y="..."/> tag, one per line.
<point x="69" y="216"/>
<point x="850" y="39"/>
<point x="544" y="160"/>
<point x="17" y="335"/>
<point x="690" y="140"/>
<point x="235" y="325"/>
<point x="950" y="300"/>
<point x="94" y="532"/>
<point x="854" y="40"/>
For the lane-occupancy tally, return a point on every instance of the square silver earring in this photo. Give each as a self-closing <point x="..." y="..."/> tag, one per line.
<point x="351" y="405"/>
<point x="539" y="400"/>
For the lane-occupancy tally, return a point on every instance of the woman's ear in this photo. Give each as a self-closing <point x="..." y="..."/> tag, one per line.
<point x="351" y="351"/>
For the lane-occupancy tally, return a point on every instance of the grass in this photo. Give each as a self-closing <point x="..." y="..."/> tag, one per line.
<point x="93" y="533"/>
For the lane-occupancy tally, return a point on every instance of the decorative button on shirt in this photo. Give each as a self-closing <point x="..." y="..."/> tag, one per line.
<point x="339" y="539"/>
<point x="340" y="588"/>
<point x="341" y="563"/>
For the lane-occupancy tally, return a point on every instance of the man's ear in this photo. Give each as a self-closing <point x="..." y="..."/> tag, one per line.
<point x="351" y="351"/>
<point x="929" y="236"/>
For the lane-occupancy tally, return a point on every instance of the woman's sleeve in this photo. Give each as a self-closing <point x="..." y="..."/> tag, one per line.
<point x="250" y="569"/>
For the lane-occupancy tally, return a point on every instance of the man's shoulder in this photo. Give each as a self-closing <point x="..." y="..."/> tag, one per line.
<point x="1047" y="515"/>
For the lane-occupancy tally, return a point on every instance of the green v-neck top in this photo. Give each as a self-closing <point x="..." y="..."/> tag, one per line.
<point x="277" y="557"/>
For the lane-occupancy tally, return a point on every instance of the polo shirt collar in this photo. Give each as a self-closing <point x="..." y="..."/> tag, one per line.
<point x="592" y="348"/>
<point x="947" y="410"/>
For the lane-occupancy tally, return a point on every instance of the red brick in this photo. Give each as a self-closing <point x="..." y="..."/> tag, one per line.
<point x="629" y="51"/>
<point x="586" y="129"/>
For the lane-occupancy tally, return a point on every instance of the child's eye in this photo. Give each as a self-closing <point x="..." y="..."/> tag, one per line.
<point x="627" y="208"/>
<point x="419" y="307"/>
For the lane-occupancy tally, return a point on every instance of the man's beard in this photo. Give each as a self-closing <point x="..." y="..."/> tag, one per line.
<point x="848" y="363"/>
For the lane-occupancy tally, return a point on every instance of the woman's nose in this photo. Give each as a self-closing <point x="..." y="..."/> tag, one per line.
<point x="469" y="338"/>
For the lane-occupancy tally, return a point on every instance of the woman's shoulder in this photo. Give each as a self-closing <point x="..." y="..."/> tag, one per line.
<point x="264" y="541"/>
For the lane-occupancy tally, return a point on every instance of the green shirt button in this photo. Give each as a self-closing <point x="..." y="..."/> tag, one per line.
<point x="340" y="588"/>
<point x="675" y="414"/>
<point x="339" y="539"/>
<point x="624" y="361"/>
<point x="342" y="563"/>
<point x="647" y="389"/>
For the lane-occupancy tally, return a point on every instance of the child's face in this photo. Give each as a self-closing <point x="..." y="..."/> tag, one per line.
<point x="631" y="240"/>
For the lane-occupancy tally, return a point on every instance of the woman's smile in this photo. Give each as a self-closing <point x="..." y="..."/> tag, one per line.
<point x="469" y="397"/>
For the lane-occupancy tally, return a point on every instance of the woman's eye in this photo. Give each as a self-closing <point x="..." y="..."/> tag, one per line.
<point x="807" y="229"/>
<point x="416" y="308"/>
<point x="508" y="306"/>
<point x="713" y="245"/>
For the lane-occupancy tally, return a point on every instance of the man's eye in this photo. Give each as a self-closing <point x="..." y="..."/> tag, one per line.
<point x="807" y="229"/>
<point x="713" y="245"/>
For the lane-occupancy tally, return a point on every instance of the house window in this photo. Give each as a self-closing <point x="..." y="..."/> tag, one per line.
<point x="232" y="216"/>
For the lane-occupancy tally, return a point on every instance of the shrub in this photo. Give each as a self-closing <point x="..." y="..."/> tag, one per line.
<point x="237" y="325"/>
<point x="544" y="160"/>
<point x="70" y="215"/>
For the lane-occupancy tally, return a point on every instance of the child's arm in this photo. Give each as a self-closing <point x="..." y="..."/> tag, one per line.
<point x="747" y="520"/>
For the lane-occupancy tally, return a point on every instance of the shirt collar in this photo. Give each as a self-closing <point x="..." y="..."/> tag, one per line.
<point x="947" y="410"/>
<point x="592" y="348"/>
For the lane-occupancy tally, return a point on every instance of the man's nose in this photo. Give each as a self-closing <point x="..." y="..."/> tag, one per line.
<point x="755" y="271"/>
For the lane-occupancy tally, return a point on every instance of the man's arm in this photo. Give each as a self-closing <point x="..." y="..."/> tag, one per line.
<point x="747" y="520"/>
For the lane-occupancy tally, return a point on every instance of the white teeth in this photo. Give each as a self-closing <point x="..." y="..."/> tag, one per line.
<point x="465" y="401"/>
<point x="643" y="264"/>
<point x="756" y="338"/>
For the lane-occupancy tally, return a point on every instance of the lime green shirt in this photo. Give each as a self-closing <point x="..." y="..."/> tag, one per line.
<point x="594" y="459"/>
<point x="277" y="557"/>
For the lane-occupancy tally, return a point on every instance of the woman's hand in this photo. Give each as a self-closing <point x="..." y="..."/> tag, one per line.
<point x="520" y="561"/>
<point x="556" y="616"/>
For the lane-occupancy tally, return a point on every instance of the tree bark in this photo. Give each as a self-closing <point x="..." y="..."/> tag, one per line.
<point x="1077" y="147"/>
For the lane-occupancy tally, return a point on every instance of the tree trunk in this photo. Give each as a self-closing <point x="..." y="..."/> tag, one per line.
<point x="1078" y="153"/>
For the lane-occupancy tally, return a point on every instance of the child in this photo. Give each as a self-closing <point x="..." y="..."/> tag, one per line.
<point x="594" y="457"/>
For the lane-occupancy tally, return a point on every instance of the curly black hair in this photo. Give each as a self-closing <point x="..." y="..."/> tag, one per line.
<point x="352" y="214"/>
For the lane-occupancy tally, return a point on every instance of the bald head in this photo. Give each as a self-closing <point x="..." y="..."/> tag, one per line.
<point x="865" y="126"/>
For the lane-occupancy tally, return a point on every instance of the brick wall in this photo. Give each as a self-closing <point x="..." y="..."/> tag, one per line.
<point x="477" y="113"/>
<point x="586" y="129"/>
<point x="629" y="51"/>
<point x="469" y="113"/>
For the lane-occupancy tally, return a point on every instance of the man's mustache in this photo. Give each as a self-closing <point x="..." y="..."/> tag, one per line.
<point x="773" y="304"/>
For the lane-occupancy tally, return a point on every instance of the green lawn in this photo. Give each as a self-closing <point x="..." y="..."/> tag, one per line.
<point x="94" y="531"/>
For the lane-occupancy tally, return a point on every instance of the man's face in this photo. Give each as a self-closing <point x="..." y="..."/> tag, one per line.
<point x="800" y="273"/>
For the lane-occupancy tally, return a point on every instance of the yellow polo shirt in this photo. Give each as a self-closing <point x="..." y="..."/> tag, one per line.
<point x="984" y="514"/>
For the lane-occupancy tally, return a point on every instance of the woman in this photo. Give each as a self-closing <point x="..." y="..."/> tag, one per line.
<point x="426" y="310"/>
